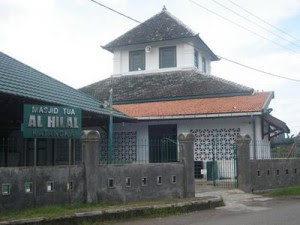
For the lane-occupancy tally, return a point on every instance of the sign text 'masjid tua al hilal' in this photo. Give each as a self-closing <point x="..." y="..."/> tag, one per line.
<point x="44" y="121"/>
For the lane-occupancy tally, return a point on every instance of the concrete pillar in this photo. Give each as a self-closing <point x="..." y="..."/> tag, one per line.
<point x="186" y="144"/>
<point x="243" y="163"/>
<point x="90" y="153"/>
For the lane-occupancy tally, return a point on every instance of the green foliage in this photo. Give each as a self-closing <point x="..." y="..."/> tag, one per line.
<point x="288" y="191"/>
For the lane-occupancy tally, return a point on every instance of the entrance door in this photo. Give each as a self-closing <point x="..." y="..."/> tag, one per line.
<point x="163" y="143"/>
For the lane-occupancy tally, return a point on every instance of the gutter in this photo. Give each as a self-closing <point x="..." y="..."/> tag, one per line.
<point x="267" y="102"/>
<point x="199" y="116"/>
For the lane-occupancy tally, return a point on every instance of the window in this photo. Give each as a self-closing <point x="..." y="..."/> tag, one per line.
<point x="204" y="69"/>
<point x="167" y="57"/>
<point x="70" y="186"/>
<point x="159" y="180"/>
<point x="50" y="186"/>
<point x="144" y="181"/>
<point x="28" y="187"/>
<point x="174" y="179"/>
<point x="110" y="183"/>
<point x="137" y="60"/>
<point x="196" y="58"/>
<point x="5" y="189"/>
<point x="128" y="181"/>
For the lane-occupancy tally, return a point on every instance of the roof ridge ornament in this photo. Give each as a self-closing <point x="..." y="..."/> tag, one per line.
<point x="164" y="8"/>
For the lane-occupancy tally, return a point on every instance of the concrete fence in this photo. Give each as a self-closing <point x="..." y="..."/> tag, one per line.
<point x="90" y="182"/>
<point x="263" y="174"/>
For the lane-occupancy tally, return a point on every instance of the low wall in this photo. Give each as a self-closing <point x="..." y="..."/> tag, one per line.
<point x="264" y="174"/>
<point x="94" y="183"/>
<point x="137" y="190"/>
<point x="171" y="184"/>
<point x="274" y="173"/>
<point x="16" y="177"/>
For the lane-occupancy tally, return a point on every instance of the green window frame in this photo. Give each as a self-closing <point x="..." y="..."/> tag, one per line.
<point x="167" y="57"/>
<point x="5" y="189"/>
<point x="137" y="60"/>
<point x="28" y="187"/>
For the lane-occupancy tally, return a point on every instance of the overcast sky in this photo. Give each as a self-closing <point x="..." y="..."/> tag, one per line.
<point x="63" y="39"/>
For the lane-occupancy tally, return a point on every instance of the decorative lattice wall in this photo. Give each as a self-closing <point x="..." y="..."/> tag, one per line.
<point x="125" y="146"/>
<point x="221" y="140"/>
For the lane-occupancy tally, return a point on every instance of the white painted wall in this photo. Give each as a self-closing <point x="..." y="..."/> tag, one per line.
<point x="184" y="54"/>
<point x="244" y="123"/>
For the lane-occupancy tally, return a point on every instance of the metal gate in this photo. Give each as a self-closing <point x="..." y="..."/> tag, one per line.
<point x="215" y="157"/>
<point x="222" y="169"/>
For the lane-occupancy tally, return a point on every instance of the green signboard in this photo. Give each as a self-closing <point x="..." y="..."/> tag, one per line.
<point x="44" y="121"/>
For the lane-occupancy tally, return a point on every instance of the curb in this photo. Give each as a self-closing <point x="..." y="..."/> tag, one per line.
<point x="130" y="212"/>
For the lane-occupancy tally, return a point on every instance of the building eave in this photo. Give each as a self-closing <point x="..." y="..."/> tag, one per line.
<point x="202" y="116"/>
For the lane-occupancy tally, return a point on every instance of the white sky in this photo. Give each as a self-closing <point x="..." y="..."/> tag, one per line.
<point x="62" y="38"/>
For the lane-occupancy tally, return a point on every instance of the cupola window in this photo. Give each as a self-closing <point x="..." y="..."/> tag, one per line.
<point x="204" y="69"/>
<point x="196" y="58"/>
<point x="137" y="60"/>
<point x="167" y="57"/>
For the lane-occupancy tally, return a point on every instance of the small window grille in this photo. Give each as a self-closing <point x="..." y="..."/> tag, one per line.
<point x="5" y="189"/>
<point x="50" y="186"/>
<point x="128" y="181"/>
<point x="287" y="171"/>
<point x="144" y="181"/>
<point x="277" y="172"/>
<point x="268" y="172"/>
<point x="258" y="173"/>
<point x="70" y="186"/>
<point x="159" y="180"/>
<point x="295" y="170"/>
<point x="110" y="183"/>
<point x="28" y="187"/>
<point x="174" y="179"/>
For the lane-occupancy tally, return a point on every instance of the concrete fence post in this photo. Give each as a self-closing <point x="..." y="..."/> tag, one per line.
<point x="90" y="153"/>
<point x="243" y="163"/>
<point x="186" y="145"/>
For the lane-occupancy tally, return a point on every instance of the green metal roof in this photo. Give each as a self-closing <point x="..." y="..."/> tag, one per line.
<point x="19" y="79"/>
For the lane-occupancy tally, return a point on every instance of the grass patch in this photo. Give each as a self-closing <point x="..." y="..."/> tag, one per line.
<point x="287" y="191"/>
<point x="53" y="211"/>
<point x="50" y="211"/>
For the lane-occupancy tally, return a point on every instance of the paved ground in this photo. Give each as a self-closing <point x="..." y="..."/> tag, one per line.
<point x="240" y="209"/>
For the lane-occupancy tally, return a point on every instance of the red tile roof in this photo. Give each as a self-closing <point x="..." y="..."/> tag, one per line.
<point x="236" y="104"/>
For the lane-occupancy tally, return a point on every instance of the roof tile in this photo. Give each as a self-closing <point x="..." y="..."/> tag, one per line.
<point x="237" y="104"/>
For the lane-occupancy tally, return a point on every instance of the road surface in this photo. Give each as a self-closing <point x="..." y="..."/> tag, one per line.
<point x="241" y="211"/>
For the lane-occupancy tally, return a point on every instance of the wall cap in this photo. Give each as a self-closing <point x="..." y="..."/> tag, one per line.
<point x="241" y="138"/>
<point x="90" y="135"/>
<point x="186" y="137"/>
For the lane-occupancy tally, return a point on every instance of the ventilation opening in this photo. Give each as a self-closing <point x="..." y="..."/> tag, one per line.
<point x="28" y="187"/>
<point x="144" y="181"/>
<point x="70" y="186"/>
<point x="110" y="183"/>
<point x="50" y="186"/>
<point x="174" y="179"/>
<point x="5" y="189"/>
<point x="159" y="180"/>
<point x="128" y="181"/>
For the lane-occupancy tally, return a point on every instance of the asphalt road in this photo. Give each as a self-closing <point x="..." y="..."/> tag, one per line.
<point x="255" y="212"/>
